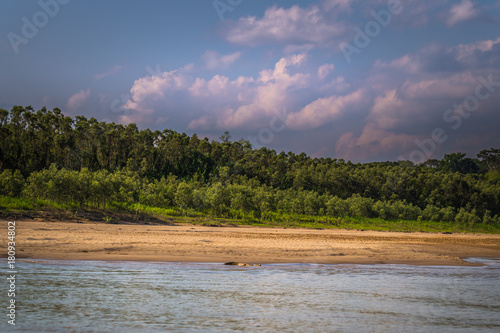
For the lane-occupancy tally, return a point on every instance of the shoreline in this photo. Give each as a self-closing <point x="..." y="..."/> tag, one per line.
<point x="262" y="245"/>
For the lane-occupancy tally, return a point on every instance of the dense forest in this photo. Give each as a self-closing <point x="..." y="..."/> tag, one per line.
<point x="91" y="164"/>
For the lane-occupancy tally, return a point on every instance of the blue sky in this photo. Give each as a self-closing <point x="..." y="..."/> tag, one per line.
<point x="366" y="80"/>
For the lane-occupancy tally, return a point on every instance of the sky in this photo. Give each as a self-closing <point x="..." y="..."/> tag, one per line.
<point x="370" y="80"/>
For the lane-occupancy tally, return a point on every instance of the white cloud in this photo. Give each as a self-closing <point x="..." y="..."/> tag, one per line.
<point x="381" y="113"/>
<point x="387" y="109"/>
<point x="269" y="94"/>
<point x="215" y="86"/>
<point x="148" y="91"/>
<point x="411" y="96"/>
<point x="463" y="11"/>
<point x="112" y="71"/>
<point x="466" y="51"/>
<point x="295" y="25"/>
<point x="330" y="22"/>
<point x="406" y="63"/>
<point x="435" y="58"/>
<point x="325" y="70"/>
<point x="337" y="4"/>
<point x="418" y="102"/>
<point x="155" y="86"/>
<point x="78" y="100"/>
<point x="324" y="110"/>
<point x="439" y="88"/>
<point x="213" y="60"/>
<point x="243" y="101"/>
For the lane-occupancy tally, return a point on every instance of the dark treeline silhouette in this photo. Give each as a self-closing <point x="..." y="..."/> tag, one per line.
<point x="44" y="154"/>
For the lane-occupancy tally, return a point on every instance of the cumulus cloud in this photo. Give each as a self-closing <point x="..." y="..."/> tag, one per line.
<point x="403" y="100"/>
<point x="439" y="88"/>
<point x="330" y="22"/>
<point x="245" y="102"/>
<point x="463" y="11"/>
<point x="373" y="143"/>
<point x="78" y="100"/>
<point x="325" y="70"/>
<point x="270" y="93"/>
<point x="231" y="103"/>
<point x="481" y="54"/>
<point x="213" y="60"/>
<point x="413" y="98"/>
<point x="294" y="25"/>
<point x="147" y="91"/>
<point x="379" y="115"/>
<point x="425" y="12"/>
<point x="468" y="50"/>
<point x="437" y="58"/>
<point x="324" y="110"/>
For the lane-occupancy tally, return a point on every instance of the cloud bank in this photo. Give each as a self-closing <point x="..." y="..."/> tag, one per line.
<point x="379" y="114"/>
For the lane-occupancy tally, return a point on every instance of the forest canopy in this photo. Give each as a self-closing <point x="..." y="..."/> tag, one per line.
<point x="46" y="155"/>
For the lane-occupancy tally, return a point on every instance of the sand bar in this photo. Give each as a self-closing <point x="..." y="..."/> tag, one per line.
<point x="194" y="243"/>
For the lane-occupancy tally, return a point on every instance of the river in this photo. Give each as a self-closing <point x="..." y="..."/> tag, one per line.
<point x="100" y="296"/>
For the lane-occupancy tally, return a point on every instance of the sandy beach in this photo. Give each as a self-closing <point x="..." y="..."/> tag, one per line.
<point x="194" y="243"/>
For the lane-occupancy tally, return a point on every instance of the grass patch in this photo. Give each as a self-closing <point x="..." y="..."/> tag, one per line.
<point x="15" y="204"/>
<point x="124" y="212"/>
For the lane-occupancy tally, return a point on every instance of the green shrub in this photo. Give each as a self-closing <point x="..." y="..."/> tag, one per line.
<point x="11" y="183"/>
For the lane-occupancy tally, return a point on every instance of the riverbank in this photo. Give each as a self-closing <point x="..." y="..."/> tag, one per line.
<point x="194" y="243"/>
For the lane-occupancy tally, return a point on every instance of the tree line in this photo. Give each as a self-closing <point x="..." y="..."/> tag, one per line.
<point x="44" y="154"/>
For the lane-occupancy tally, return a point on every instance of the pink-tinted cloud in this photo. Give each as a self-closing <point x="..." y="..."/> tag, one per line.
<point x="78" y="100"/>
<point x="405" y="63"/>
<point x="147" y="91"/>
<point x="201" y="123"/>
<point x="378" y="116"/>
<point x="215" y="86"/>
<point x="231" y="103"/>
<point x="295" y="25"/>
<point x="373" y="143"/>
<point x="320" y="152"/>
<point x="481" y="54"/>
<point x="111" y="71"/>
<point x="411" y="99"/>
<point x="437" y="58"/>
<point x="330" y="22"/>
<point x="325" y="70"/>
<point x="270" y="93"/>
<point x="213" y="60"/>
<point x="463" y="11"/>
<point x="439" y="88"/>
<point x="340" y="5"/>
<point x="324" y="110"/>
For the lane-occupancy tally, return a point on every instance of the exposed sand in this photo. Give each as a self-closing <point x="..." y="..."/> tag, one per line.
<point x="190" y="243"/>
